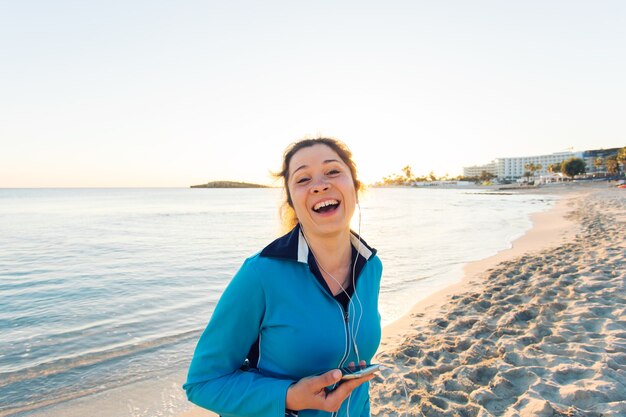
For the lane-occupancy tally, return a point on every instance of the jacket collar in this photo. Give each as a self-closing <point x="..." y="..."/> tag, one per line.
<point x="293" y="246"/>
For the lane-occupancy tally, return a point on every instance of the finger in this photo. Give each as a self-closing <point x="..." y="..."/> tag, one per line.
<point x="362" y="364"/>
<point x="345" y="388"/>
<point x="326" y="379"/>
<point x="351" y="366"/>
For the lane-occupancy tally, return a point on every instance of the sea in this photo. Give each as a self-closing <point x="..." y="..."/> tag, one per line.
<point x="104" y="292"/>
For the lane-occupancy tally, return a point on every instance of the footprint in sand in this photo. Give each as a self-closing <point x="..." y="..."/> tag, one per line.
<point x="566" y="374"/>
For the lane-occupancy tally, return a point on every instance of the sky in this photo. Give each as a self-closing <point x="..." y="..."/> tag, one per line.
<point x="173" y="93"/>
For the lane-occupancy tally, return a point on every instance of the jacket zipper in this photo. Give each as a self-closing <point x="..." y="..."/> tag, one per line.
<point x="346" y="323"/>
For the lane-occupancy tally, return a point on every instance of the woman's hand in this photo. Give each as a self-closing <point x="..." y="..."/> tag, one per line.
<point x="310" y="393"/>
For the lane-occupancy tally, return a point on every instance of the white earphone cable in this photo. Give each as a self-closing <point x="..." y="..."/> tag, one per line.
<point x="352" y="334"/>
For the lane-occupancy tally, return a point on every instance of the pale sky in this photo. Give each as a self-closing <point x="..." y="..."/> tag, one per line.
<point x="173" y="93"/>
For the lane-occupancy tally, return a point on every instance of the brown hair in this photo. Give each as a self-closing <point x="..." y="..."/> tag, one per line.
<point x="287" y="213"/>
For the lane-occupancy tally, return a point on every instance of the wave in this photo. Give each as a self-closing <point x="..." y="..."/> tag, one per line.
<point x="44" y="403"/>
<point x="68" y="363"/>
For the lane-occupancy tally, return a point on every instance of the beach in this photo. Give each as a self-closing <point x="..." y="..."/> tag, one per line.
<point x="536" y="330"/>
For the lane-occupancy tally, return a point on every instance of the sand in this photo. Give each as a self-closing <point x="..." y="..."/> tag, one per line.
<point x="536" y="330"/>
<point x="541" y="333"/>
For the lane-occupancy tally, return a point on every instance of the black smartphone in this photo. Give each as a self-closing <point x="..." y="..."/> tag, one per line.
<point x="358" y="372"/>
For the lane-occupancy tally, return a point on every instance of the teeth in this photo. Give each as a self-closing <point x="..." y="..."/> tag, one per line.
<point x="325" y="203"/>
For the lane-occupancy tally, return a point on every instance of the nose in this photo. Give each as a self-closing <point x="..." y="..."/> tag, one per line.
<point x="320" y="186"/>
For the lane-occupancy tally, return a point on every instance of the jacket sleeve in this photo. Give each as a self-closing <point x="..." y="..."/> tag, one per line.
<point x="214" y="380"/>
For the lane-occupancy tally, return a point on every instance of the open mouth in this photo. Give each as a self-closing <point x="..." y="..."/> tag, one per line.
<point x="326" y="206"/>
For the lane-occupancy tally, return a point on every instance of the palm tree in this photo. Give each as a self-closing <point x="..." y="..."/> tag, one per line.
<point x="555" y="168"/>
<point x="408" y="173"/>
<point x="598" y="163"/>
<point x="621" y="158"/>
<point x="532" y="168"/>
<point x="612" y="166"/>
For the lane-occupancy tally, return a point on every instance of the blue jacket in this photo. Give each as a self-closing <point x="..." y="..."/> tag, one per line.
<point x="276" y="302"/>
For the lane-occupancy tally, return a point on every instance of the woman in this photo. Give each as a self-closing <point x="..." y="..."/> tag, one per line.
<point x="304" y="306"/>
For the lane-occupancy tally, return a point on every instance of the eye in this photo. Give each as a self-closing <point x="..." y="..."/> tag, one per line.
<point x="302" y="180"/>
<point x="333" y="172"/>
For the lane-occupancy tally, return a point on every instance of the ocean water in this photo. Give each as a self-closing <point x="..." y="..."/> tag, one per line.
<point x="105" y="288"/>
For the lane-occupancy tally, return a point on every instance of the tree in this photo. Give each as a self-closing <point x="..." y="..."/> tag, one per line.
<point x="621" y="158"/>
<point x="397" y="179"/>
<point x="393" y="179"/>
<point x="556" y="167"/>
<point x="486" y="176"/>
<point x="598" y="163"/>
<point x="612" y="166"/>
<point x="532" y="168"/>
<point x="573" y="167"/>
<point x="408" y="173"/>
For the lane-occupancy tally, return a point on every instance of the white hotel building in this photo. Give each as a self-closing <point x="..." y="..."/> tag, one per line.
<point x="511" y="168"/>
<point x="514" y="167"/>
<point x="477" y="170"/>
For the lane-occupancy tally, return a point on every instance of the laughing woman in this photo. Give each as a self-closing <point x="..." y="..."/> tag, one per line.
<point x="304" y="306"/>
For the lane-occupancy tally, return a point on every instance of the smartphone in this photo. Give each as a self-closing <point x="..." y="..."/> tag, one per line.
<point x="358" y="372"/>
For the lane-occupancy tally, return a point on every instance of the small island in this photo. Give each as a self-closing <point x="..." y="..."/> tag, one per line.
<point x="229" y="184"/>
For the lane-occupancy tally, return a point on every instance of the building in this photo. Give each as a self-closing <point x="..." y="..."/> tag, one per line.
<point x="511" y="168"/>
<point x="515" y="167"/>
<point x="590" y="158"/>
<point x="476" y="170"/>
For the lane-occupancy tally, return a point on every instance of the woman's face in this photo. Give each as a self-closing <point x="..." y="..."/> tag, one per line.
<point x="322" y="190"/>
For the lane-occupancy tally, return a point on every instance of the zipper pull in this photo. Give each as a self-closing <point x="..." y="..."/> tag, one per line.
<point x="346" y="316"/>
